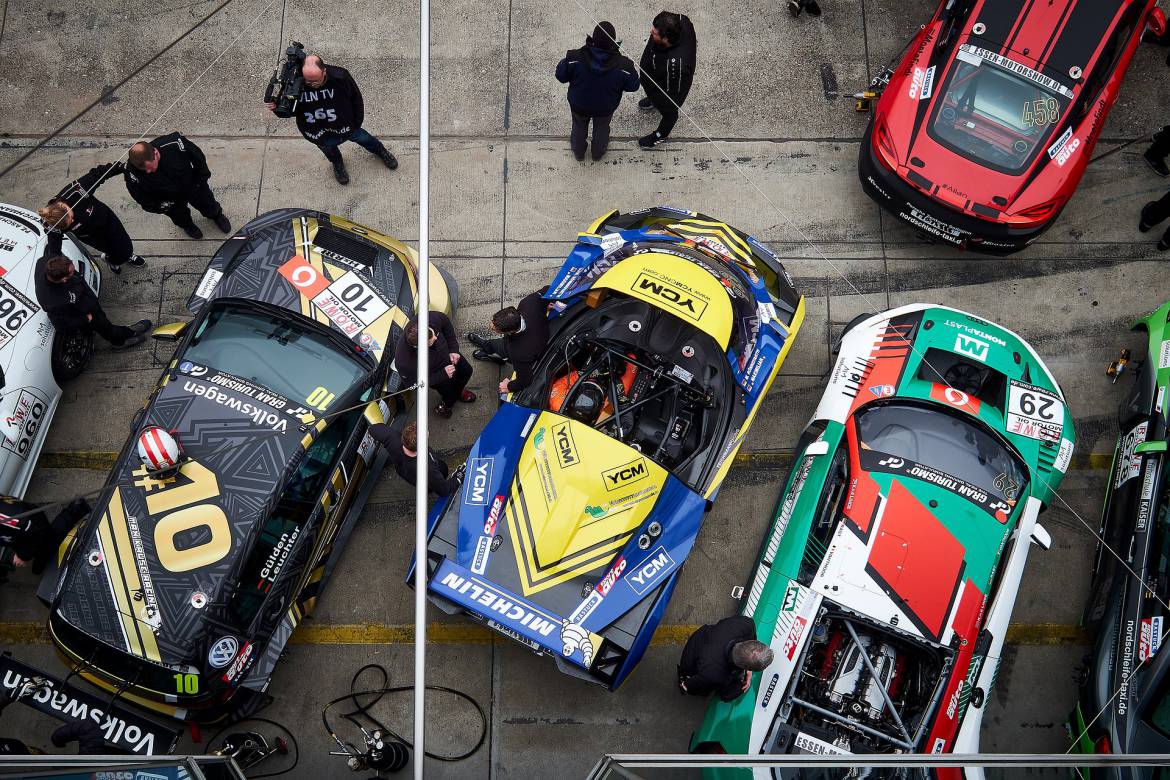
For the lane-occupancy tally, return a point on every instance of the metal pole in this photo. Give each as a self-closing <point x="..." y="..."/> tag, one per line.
<point x="422" y="459"/>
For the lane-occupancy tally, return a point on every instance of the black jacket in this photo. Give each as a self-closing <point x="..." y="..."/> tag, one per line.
<point x="596" y="78"/>
<point x="406" y="356"/>
<point x="182" y="168"/>
<point x="90" y="215"/>
<point x="671" y="70"/>
<point x="67" y="303"/>
<point x="32" y="536"/>
<point x="526" y="347"/>
<point x="706" y="658"/>
<point x="333" y="110"/>
<point x="404" y="465"/>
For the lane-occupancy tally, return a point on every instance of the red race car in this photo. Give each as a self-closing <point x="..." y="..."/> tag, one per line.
<point x="990" y="117"/>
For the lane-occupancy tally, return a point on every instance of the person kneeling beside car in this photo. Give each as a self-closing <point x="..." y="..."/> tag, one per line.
<point x="721" y="659"/>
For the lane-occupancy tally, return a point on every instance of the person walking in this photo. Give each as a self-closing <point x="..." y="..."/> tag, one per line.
<point x="76" y="209"/>
<point x="72" y="305"/>
<point x="668" y="67"/>
<point x="1154" y="213"/>
<point x="597" y="75"/>
<point x="403" y="451"/>
<point x="522" y="338"/>
<point x="168" y="174"/>
<point x="449" y="371"/>
<point x="330" y="112"/>
<point x="721" y="658"/>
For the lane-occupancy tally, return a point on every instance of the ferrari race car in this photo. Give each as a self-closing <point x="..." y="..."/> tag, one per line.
<point x="1124" y="704"/>
<point x="180" y="590"/>
<point x="887" y="580"/>
<point x="987" y="123"/>
<point x="585" y="491"/>
<point x="34" y="357"/>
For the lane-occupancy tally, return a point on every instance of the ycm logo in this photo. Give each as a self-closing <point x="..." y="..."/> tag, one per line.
<point x="631" y="472"/>
<point x="678" y="299"/>
<point x="565" y="447"/>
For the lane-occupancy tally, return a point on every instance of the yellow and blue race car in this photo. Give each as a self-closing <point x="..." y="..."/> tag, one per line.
<point x="584" y="493"/>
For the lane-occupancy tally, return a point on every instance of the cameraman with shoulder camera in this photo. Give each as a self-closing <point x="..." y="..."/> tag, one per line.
<point x="329" y="109"/>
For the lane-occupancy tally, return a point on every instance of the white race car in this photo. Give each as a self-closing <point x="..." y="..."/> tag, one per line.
<point x="34" y="358"/>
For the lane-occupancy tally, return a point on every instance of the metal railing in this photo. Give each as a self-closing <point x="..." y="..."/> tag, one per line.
<point x="166" y="767"/>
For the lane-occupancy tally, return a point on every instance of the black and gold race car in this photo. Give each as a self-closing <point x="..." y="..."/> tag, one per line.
<point x="180" y="593"/>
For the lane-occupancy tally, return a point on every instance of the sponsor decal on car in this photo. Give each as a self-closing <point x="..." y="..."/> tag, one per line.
<point x="548" y="485"/>
<point x="972" y="347"/>
<point x="16" y="309"/>
<point x="23" y="425"/>
<point x="1151" y="637"/>
<point x="208" y="283"/>
<point x="933" y="225"/>
<point x="260" y="416"/>
<point x="222" y="652"/>
<point x="1146" y="503"/>
<point x="874" y="461"/>
<point x="606" y="583"/>
<point x="482" y="550"/>
<point x="586" y="607"/>
<point x="921" y="84"/>
<point x="956" y="398"/>
<point x="650" y="571"/>
<point x="767" y="697"/>
<point x="243" y="661"/>
<point x="1034" y="412"/>
<point x="277" y="558"/>
<point x="625" y="474"/>
<point x="1129" y="462"/>
<point x="1064" y="456"/>
<point x="806" y="743"/>
<point x="1063" y="147"/>
<point x="479" y="480"/>
<point x="489" y="525"/>
<point x="1009" y="64"/>
<point x="253" y="390"/>
<point x="882" y="391"/>
<point x="565" y="447"/>
<point x="351" y="303"/>
<point x="672" y="294"/>
<point x="576" y="639"/>
<point x="792" y="641"/>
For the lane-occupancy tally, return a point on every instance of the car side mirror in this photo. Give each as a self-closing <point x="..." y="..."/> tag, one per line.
<point x="1156" y="21"/>
<point x="170" y="332"/>
<point x="817" y="448"/>
<point x="373" y="413"/>
<point x="1150" y="446"/>
<point x="1041" y="538"/>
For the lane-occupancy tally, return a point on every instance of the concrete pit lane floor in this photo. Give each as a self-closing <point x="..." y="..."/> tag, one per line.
<point x="507" y="200"/>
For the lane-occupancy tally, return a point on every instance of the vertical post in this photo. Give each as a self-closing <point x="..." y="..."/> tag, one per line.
<point x="421" y="401"/>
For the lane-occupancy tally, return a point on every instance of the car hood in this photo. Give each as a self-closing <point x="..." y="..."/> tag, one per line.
<point x="154" y="560"/>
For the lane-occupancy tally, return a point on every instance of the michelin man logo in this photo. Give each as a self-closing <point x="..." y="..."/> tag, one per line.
<point x="576" y="637"/>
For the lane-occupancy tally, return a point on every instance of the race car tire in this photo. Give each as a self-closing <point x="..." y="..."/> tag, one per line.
<point x="853" y="323"/>
<point x="72" y="350"/>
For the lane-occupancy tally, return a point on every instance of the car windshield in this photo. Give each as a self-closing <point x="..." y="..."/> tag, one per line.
<point x="296" y="361"/>
<point x="942" y="442"/>
<point x="998" y="111"/>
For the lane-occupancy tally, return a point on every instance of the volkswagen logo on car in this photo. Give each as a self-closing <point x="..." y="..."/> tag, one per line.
<point x="222" y="652"/>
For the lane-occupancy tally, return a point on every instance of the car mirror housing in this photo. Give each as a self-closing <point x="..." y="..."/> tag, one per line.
<point x="170" y="332"/>
<point x="1041" y="537"/>
<point x="820" y="447"/>
<point x="373" y="413"/>
<point x="1157" y="22"/>
<point x="1151" y="446"/>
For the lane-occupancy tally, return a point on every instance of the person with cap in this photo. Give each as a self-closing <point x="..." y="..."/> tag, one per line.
<point x="668" y="67"/>
<point x="76" y="209"/>
<point x="72" y="305"/>
<point x="522" y="339"/>
<point x="597" y="75"/>
<point x="721" y="658"/>
<point x="449" y="370"/>
<point x="168" y="174"/>
<point x="403" y="451"/>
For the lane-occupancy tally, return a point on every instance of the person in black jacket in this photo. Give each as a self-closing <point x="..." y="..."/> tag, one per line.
<point x="30" y="535"/>
<point x="166" y="175"/>
<point x="403" y="451"/>
<point x="330" y="112"/>
<point x="721" y="659"/>
<point x="523" y="338"/>
<point x="76" y="209"/>
<point x="597" y="75"/>
<point x="668" y="67"/>
<point x="72" y="305"/>
<point x="796" y="6"/>
<point x="449" y="371"/>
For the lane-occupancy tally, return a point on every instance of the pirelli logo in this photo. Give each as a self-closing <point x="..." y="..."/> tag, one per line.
<point x="626" y="474"/>
<point x="672" y="295"/>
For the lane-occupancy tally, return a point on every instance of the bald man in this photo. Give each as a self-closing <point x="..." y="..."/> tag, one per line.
<point x="330" y="112"/>
<point x="166" y="175"/>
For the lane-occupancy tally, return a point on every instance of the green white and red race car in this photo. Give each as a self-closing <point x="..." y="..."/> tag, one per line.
<point x="887" y="580"/>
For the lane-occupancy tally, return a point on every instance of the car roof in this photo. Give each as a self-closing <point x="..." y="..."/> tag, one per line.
<point x="1057" y="35"/>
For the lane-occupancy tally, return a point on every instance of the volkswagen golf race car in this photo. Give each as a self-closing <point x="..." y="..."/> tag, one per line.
<point x="886" y="582"/>
<point x="989" y="119"/>
<point x="585" y="491"/>
<point x="180" y="592"/>
<point x="1124" y="704"/>
<point x="34" y="357"/>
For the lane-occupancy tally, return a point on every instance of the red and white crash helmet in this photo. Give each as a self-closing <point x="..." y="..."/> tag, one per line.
<point x="158" y="450"/>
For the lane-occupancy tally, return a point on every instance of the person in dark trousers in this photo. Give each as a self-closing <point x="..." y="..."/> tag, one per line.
<point x="72" y="305"/>
<point x="449" y="371"/>
<point x="403" y="451"/>
<point x="166" y="175"/>
<point x="76" y="209"/>
<point x="330" y="112"/>
<point x="32" y="538"/>
<point x="1154" y="213"/>
<point x="523" y="337"/>
<point x="1156" y="155"/>
<point x="796" y="6"/>
<point x="597" y="75"/>
<point x="668" y="67"/>
<point x="721" y="659"/>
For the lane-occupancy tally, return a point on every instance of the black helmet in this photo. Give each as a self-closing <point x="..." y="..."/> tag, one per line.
<point x="587" y="402"/>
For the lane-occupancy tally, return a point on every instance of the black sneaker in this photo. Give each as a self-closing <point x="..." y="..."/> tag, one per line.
<point x="192" y="231"/>
<point x="133" y="341"/>
<point x="141" y="326"/>
<point x="1163" y="244"/>
<point x="223" y="223"/>
<point x="479" y="341"/>
<point x="794" y="7"/>
<point x="1144" y="222"/>
<point x="388" y="158"/>
<point x="340" y="173"/>
<point x="138" y="261"/>
<point x="646" y="104"/>
<point x="116" y="270"/>
<point x="1158" y="164"/>
<point x="812" y="7"/>
<point x="650" y="141"/>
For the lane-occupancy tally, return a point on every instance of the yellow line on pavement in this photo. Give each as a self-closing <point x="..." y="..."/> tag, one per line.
<point x="34" y="633"/>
